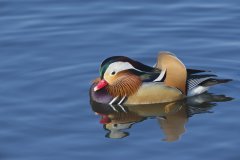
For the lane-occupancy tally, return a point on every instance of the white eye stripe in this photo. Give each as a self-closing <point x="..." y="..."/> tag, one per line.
<point x="119" y="66"/>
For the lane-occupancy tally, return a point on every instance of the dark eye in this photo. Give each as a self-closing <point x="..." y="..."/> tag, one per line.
<point x="113" y="73"/>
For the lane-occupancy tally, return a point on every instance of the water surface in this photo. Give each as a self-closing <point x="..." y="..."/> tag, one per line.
<point x="51" y="50"/>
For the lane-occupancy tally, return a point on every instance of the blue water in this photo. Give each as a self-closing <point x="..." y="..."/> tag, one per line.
<point x="51" y="51"/>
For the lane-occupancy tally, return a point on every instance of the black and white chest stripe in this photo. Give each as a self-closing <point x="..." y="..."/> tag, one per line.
<point x="118" y="101"/>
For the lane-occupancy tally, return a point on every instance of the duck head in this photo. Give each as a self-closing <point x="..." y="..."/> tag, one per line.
<point x="122" y="76"/>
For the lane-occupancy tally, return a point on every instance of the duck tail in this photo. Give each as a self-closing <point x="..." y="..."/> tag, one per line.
<point x="194" y="71"/>
<point x="213" y="81"/>
<point x="199" y="83"/>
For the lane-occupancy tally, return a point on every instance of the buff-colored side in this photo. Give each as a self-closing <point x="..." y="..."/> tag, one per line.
<point x="150" y="93"/>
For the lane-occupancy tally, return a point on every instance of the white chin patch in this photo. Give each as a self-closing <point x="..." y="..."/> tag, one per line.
<point x="197" y="90"/>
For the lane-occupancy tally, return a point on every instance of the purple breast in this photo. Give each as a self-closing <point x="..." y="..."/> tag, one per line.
<point x="101" y="96"/>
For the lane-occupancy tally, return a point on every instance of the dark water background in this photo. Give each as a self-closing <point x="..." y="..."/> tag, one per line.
<point x="51" y="49"/>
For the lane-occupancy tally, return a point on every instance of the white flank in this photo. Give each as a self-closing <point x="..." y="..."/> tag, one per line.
<point x="197" y="90"/>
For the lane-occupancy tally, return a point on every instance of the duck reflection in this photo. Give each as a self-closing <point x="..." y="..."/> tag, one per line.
<point x="171" y="117"/>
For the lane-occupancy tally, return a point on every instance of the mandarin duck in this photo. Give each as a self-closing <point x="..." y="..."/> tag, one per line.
<point x="129" y="82"/>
